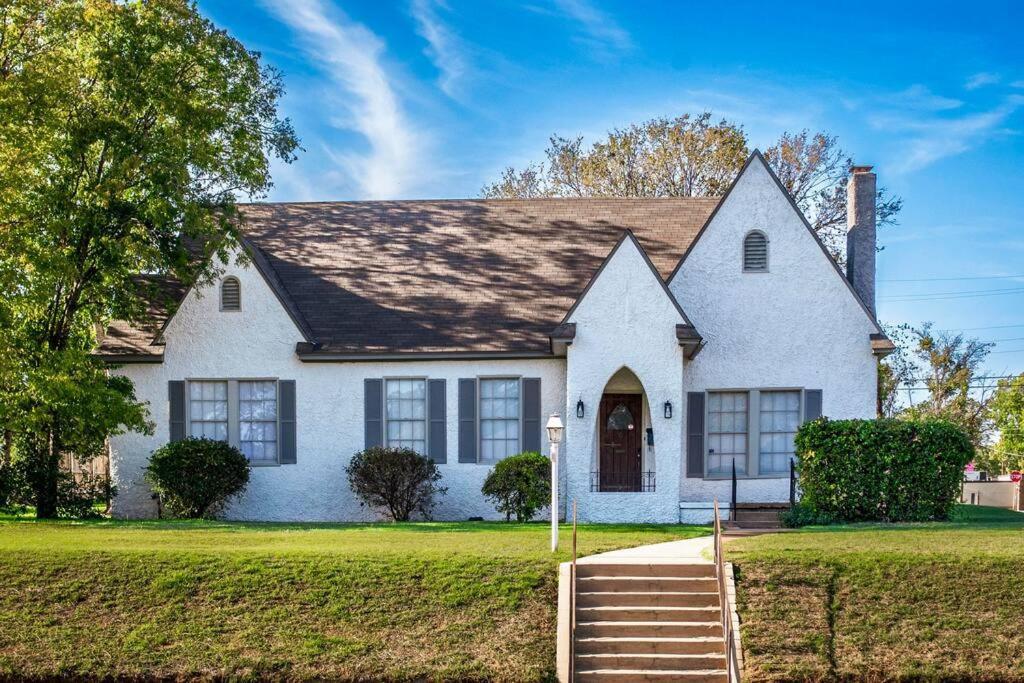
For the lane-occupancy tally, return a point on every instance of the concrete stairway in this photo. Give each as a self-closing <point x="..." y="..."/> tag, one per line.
<point x="648" y="622"/>
<point x="757" y="516"/>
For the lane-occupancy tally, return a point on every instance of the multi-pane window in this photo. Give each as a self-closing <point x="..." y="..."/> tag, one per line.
<point x="780" y="418"/>
<point x="208" y="410"/>
<point x="257" y="420"/>
<point x="727" y="432"/>
<point x="407" y="414"/>
<point x="499" y="418"/>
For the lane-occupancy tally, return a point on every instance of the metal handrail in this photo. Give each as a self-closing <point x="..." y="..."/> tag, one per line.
<point x="731" y="663"/>
<point x="572" y="600"/>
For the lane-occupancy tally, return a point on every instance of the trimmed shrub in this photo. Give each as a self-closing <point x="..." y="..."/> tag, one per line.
<point x="520" y="485"/>
<point x="398" y="481"/>
<point x="196" y="478"/>
<point x="881" y="470"/>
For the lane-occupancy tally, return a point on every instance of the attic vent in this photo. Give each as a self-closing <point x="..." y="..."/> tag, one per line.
<point x="755" y="252"/>
<point x="230" y="295"/>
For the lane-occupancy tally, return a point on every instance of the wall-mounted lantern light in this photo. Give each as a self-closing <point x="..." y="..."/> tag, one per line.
<point x="579" y="409"/>
<point x="668" y="410"/>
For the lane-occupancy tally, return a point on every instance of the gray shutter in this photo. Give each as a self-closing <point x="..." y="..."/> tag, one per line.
<point x="438" y="428"/>
<point x="531" y="414"/>
<point x="176" y="397"/>
<point x="286" y="422"/>
<point x="467" y="420"/>
<point x="373" y="408"/>
<point x="695" y="434"/>
<point x="812" y="404"/>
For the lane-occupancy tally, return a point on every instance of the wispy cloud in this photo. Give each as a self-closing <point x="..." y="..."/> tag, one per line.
<point x="929" y="139"/>
<point x="981" y="79"/>
<point x="1017" y="84"/>
<point x="600" y="31"/>
<point x="920" y="97"/>
<point x="351" y="57"/>
<point x="444" y="47"/>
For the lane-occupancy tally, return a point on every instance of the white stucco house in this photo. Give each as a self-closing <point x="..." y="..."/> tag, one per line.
<point x="676" y="338"/>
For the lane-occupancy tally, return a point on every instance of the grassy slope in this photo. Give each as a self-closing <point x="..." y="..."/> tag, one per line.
<point x="903" y="602"/>
<point x="406" y="601"/>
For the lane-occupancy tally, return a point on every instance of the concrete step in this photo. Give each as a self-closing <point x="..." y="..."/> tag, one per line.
<point x="629" y="676"/>
<point x="585" y="571"/>
<point x="651" y="662"/>
<point x="642" y="584"/>
<point x="762" y="506"/>
<point x="649" y="629"/>
<point x="756" y="516"/>
<point x="647" y="599"/>
<point x="588" y="614"/>
<point x="651" y="645"/>
<point x="744" y="524"/>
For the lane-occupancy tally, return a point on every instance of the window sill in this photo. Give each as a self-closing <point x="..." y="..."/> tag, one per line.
<point x="264" y="463"/>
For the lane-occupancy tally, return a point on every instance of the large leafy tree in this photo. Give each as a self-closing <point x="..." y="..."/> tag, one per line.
<point x="1006" y="409"/>
<point x="946" y="365"/>
<point x="126" y="131"/>
<point x="694" y="156"/>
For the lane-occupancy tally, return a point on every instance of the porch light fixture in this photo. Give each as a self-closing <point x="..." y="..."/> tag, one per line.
<point x="579" y="409"/>
<point x="554" y="428"/>
<point x="668" y="410"/>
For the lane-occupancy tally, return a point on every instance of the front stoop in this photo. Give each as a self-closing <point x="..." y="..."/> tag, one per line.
<point x="757" y="516"/>
<point x="645" y="622"/>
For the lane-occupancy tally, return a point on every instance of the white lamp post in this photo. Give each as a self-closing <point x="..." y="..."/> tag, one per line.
<point x="554" y="428"/>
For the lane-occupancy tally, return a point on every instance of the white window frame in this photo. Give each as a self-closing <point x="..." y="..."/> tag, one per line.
<point x="426" y="409"/>
<point x="479" y="418"/>
<point x="753" y="430"/>
<point x="799" y="420"/>
<point x="234" y="430"/>
<point x="708" y="433"/>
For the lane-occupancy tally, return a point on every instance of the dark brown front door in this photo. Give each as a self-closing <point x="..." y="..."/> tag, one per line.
<point x="620" y="427"/>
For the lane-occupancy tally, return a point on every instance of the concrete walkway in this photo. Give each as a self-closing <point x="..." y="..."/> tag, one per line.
<point x="689" y="551"/>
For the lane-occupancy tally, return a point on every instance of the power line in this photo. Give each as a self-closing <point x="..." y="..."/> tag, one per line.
<point x="950" y="279"/>
<point x="987" y="327"/>
<point x="1009" y="351"/>
<point x="971" y="294"/>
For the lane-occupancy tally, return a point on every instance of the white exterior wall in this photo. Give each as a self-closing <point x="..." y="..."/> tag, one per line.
<point x="259" y="341"/>
<point x="796" y="326"/>
<point x="625" y="319"/>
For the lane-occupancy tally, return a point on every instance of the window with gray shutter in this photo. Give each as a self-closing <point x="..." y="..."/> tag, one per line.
<point x="531" y="414"/>
<point x="177" y="397"/>
<point x="467" y="420"/>
<point x="695" y="434"/>
<point x="438" y="430"/>
<point x="373" y="409"/>
<point x="755" y="252"/>
<point x="812" y="404"/>
<point x="230" y="294"/>
<point x="287" y="433"/>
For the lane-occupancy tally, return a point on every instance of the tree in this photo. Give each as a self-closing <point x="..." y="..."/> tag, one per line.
<point x="946" y="365"/>
<point x="1006" y="410"/>
<point x="690" y="156"/>
<point x="126" y="130"/>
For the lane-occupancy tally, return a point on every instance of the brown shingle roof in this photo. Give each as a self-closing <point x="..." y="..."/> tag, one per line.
<point x="452" y="275"/>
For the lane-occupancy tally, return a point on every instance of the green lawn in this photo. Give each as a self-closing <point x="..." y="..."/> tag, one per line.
<point x="470" y="601"/>
<point x="941" y="601"/>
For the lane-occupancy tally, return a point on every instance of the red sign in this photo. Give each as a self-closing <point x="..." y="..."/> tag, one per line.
<point x="1015" y="476"/>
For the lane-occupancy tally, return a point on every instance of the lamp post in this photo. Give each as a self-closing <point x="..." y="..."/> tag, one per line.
<point x="554" y="428"/>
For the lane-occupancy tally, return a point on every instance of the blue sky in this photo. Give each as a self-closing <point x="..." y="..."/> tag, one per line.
<point x="432" y="98"/>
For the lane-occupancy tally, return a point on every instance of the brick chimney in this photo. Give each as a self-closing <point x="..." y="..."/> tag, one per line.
<point x="861" y="230"/>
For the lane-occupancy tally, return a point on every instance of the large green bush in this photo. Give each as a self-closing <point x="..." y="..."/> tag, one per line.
<point x="397" y="481"/>
<point x="520" y="485"/>
<point x="196" y="478"/>
<point x="881" y="470"/>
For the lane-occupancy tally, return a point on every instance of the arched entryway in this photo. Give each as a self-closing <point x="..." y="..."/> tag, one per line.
<point x="624" y="458"/>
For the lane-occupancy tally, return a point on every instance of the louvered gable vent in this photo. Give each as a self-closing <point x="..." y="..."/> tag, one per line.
<point x="755" y="252"/>
<point x="230" y="295"/>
